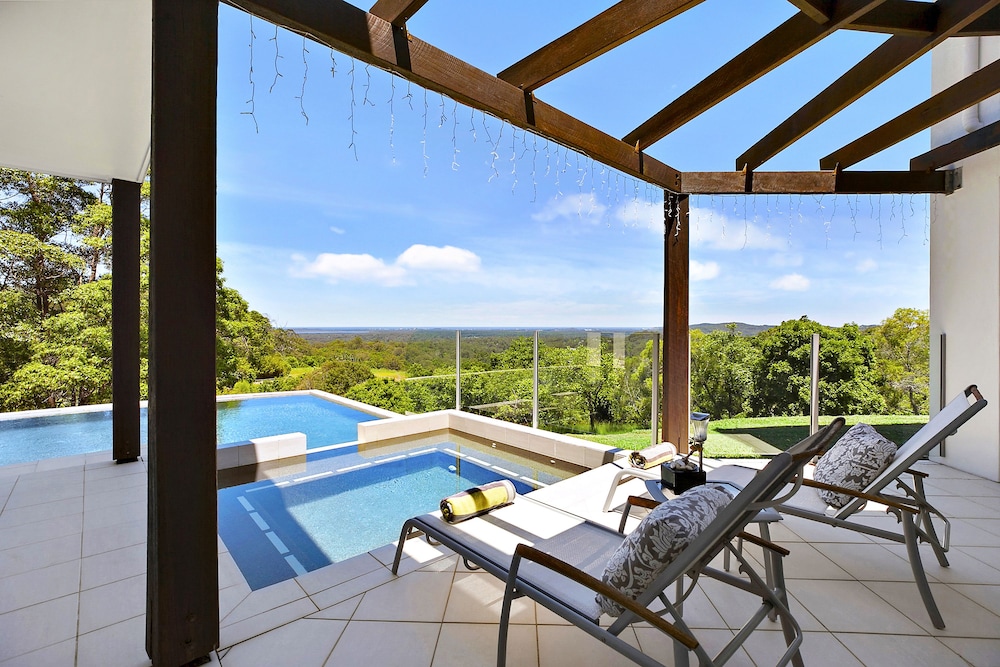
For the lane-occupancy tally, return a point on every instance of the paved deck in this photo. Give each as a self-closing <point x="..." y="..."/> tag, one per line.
<point x="72" y="589"/>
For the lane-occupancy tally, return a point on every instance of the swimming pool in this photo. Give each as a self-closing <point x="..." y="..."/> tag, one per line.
<point x="324" y="423"/>
<point x="347" y="502"/>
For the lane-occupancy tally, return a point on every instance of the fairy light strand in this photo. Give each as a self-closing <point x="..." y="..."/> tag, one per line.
<point x="277" y="57"/>
<point x="305" y="76"/>
<point x="253" y="86"/>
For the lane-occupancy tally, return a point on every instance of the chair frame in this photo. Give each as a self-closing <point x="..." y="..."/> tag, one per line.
<point x="693" y="562"/>
<point x="912" y="510"/>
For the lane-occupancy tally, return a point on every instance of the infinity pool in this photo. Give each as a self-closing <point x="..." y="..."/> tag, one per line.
<point x="346" y="502"/>
<point x="324" y="423"/>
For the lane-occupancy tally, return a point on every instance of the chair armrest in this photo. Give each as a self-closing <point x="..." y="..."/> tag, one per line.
<point x="635" y="501"/>
<point x="894" y="503"/>
<point x="917" y="473"/>
<point x="761" y="542"/>
<point x="523" y="551"/>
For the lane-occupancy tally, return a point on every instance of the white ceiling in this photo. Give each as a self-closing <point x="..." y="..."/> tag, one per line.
<point x="75" y="87"/>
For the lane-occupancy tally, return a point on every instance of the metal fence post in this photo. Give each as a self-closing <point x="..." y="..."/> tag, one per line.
<point x="814" y="387"/>
<point x="534" y="388"/>
<point x="458" y="369"/>
<point x="654" y="410"/>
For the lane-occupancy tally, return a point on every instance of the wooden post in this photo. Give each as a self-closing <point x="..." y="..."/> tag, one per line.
<point x="125" y="199"/>
<point x="182" y="604"/>
<point x="675" y="398"/>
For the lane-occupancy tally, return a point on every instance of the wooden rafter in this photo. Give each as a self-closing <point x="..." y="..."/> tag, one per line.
<point x="975" y="88"/>
<point x="893" y="55"/>
<point x="982" y="139"/>
<point x="986" y="26"/>
<point x="397" y="12"/>
<point x="371" y="39"/>
<point x="612" y="27"/>
<point x="813" y="182"/>
<point x="783" y="43"/>
<point x="819" y="11"/>
<point x="899" y="17"/>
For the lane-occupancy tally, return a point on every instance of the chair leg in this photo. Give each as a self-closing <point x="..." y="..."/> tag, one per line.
<point x="933" y="539"/>
<point x="919" y="576"/>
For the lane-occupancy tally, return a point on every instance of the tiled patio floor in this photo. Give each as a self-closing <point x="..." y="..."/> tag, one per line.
<point x="72" y="589"/>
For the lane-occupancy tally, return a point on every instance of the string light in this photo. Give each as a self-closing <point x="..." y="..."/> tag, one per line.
<point x="392" y="117"/>
<point x="277" y="56"/>
<point x="423" y="140"/>
<point x="353" y="146"/>
<point x="368" y="85"/>
<point x="305" y="75"/>
<point x="513" y="156"/>
<point x="454" y="138"/>
<point x="253" y="86"/>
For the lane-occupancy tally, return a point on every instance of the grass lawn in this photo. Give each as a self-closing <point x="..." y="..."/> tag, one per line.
<point x="779" y="432"/>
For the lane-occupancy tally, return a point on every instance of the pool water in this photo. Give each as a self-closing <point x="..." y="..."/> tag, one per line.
<point x="339" y="508"/>
<point x="323" y="422"/>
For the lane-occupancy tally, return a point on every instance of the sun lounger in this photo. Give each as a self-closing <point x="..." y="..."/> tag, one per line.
<point x="911" y="508"/>
<point x="557" y="559"/>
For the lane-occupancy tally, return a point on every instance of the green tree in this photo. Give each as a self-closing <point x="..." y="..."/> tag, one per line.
<point x="724" y="367"/>
<point x="36" y="215"/>
<point x="336" y="377"/>
<point x="383" y="393"/>
<point x="902" y="347"/>
<point x="847" y="382"/>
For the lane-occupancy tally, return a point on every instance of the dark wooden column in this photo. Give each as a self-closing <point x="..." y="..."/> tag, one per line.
<point x="125" y="197"/>
<point x="182" y="606"/>
<point x="675" y="398"/>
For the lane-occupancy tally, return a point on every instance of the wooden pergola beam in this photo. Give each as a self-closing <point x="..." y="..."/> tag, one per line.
<point x="975" y="88"/>
<point x="899" y="17"/>
<point x="975" y="142"/>
<point x="612" y="27"/>
<point x="780" y="45"/>
<point x="371" y="39"/>
<point x="675" y="397"/>
<point x="819" y="11"/>
<point x="396" y="12"/>
<point x="985" y="26"/>
<point x="814" y="182"/>
<point x="893" y="55"/>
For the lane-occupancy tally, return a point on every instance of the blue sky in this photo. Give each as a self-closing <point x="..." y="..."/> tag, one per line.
<point x="350" y="198"/>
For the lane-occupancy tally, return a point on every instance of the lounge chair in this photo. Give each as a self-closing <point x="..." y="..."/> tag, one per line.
<point x="912" y="510"/>
<point x="557" y="559"/>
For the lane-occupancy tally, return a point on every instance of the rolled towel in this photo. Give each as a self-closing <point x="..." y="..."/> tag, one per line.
<point x="652" y="456"/>
<point x="477" y="501"/>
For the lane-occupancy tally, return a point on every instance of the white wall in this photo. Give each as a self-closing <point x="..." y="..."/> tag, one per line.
<point x="965" y="272"/>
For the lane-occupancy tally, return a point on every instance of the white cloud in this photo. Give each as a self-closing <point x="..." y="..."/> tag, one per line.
<point x="336" y="267"/>
<point x="338" y="230"/>
<point x="365" y="268"/>
<point x="866" y="265"/>
<point x="581" y="206"/>
<point x="703" y="270"/>
<point x="793" y="282"/>
<point x="717" y="231"/>
<point x="641" y="212"/>
<point x="431" y="258"/>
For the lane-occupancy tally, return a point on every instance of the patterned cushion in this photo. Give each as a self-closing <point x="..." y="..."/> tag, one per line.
<point x="854" y="462"/>
<point x="657" y="541"/>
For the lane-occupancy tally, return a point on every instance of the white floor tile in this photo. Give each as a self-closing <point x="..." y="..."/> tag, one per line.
<point x="41" y="625"/>
<point x="254" y="626"/>
<point x="478" y="597"/>
<point x="977" y="652"/>
<point x="34" y="586"/>
<point x="475" y="645"/>
<point x="419" y="596"/>
<point x="115" y="536"/>
<point x="41" y="531"/>
<point x="962" y="616"/>
<point x="112" y="566"/>
<point x="122" y="644"/>
<point x="39" y="555"/>
<point x="19" y="516"/>
<point x="338" y="573"/>
<point x="382" y="643"/>
<point x="306" y="642"/>
<point x="112" y="603"/>
<point x="63" y="653"/>
<point x="848" y="606"/>
<point x="819" y="649"/>
<point x="902" y="651"/>
<point x="265" y="599"/>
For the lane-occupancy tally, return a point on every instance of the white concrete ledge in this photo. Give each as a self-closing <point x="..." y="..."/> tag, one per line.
<point x="554" y="445"/>
<point x="258" y="450"/>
